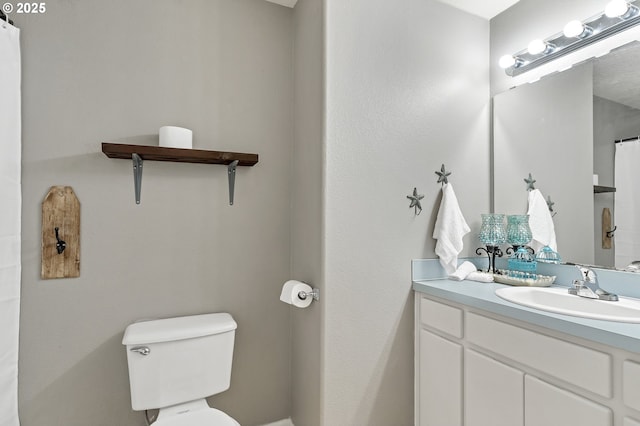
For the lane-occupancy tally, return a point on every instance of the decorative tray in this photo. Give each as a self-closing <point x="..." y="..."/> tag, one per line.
<point x="534" y="280"/>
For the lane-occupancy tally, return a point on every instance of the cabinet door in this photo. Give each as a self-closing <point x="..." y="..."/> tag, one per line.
<point x="493" y="392"/>
<point x="547" y="405"/>
<point x="631" y="384"/>
<point x="440" y="386"/>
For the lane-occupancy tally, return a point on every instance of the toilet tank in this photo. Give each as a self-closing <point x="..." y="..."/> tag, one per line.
<point x="175" y="360"/>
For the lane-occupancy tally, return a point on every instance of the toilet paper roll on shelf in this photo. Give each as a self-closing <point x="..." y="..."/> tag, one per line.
<point x="298" y="294"/>
<point x="175" y="137"/>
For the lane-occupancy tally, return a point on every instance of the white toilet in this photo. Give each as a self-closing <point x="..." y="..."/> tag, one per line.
<point x="175" y="363"/>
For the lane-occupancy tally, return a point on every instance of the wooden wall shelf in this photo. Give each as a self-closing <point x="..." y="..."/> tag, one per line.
<point x="598" y="189"/>
<point x="157" y="153"/>
<point x="139" y="153"/>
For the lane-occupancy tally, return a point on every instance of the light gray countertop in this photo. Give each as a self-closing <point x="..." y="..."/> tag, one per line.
<point x="482" y="296"/>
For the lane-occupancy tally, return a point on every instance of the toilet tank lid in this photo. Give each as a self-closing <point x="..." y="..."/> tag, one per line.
<point x="180" y="328"/>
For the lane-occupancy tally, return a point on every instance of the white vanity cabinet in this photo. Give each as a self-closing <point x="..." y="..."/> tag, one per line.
<point x="475" y="368"/>
<point x="547" y="405"/>
<point x="439" y="377"/>
<point x="493" y="392"/>
<point x="440" y="381"/>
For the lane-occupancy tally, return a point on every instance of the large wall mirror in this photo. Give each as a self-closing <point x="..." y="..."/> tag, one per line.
<point x="562" y="129"/>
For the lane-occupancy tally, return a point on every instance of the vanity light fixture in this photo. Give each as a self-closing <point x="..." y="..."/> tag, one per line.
<point x="576" y="29"/>
<point x="538" y="46"/>
<point x="618" y="16"/>
<point x="507" y="61"/>
<point x="617" y="8"/>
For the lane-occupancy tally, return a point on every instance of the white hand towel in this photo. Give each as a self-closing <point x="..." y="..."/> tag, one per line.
<point x="449" y="230"/>
<point x="463" y="271"/>
<point x="483" y="277"/>
<point x="541" y="222"/>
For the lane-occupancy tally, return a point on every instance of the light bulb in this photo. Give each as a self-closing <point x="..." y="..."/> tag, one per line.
<point x="536" y="47"/>
<point x="616" y="8"/>
<point x="507" y="61"/>
<point x="573" y="29"/>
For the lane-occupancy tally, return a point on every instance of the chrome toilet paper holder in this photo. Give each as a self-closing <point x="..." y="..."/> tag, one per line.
<point x="314" y="293"/>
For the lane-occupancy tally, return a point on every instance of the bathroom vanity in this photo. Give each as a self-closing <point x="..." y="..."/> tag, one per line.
<point x="483" y="361"/>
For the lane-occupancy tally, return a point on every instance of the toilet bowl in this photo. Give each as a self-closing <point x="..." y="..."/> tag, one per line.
<point x="175" y="363"/>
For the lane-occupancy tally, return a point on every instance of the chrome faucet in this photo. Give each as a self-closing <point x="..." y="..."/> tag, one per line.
<point x="588" y="286"/>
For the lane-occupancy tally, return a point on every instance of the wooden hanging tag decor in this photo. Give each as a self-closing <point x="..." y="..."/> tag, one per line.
<point x="606" y="228"/>
<point x="60" y="234"/>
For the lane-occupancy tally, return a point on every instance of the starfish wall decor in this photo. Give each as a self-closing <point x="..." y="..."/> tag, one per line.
<point x="443" y="175"/>
<point x="550" y="204"/>
<point x="415" y="201"/>
<point x="530" y="181"/>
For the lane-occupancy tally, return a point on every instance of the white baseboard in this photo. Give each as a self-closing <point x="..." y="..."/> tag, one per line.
<point x="283" y="422"/>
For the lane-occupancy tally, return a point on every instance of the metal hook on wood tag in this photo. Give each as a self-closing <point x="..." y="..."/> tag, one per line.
<point x="60" y="245"/>
<point x="611" y="233"/>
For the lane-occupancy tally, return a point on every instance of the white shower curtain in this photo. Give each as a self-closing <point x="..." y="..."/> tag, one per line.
<point x="10" y="205"/>
<point x="627" y="203"/>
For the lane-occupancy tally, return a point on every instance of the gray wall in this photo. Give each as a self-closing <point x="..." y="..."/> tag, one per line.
<point x="306" y="225"/>
<point x="611" y="121"/>
<point x="108" y="70"/>
<point x="399" y="103"/>
<point x="546" y="129"/>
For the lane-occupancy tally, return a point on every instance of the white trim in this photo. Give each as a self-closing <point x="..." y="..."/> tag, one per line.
<point x="287" y="3"/>
<point x="283" y="422"/>
<point x="10" y="214"/>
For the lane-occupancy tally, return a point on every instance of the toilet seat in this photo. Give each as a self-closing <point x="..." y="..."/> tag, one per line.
<point x="204" y="417"/>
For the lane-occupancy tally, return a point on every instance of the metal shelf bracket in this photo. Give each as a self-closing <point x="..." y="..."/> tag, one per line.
<point x="137" y="175"/>
<point x="231" y="172"/>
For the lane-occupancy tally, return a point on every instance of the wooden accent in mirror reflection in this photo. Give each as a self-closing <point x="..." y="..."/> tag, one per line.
<point x="180" y="155"/>
<point x="606" y="227"/>
<point x="60" y="209"/>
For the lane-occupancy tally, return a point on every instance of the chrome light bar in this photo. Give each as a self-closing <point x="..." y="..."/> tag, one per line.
<point x="594" y="29"/>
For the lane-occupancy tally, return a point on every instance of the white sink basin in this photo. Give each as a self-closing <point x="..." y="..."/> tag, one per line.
<point x="559" y="301"/>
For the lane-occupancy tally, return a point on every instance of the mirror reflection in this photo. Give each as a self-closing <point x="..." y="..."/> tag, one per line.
<point x="563" y="130"/>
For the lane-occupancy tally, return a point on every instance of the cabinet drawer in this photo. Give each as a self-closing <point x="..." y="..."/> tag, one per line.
<point x="631" y="384"/>
<point x="583" y="367"/>
<point x="547" y="405"/>
<point x="441" y="317"/>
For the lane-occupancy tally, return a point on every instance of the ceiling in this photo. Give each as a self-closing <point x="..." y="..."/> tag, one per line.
<point x="616" y="77"/>
<point x="484" y="8"/>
